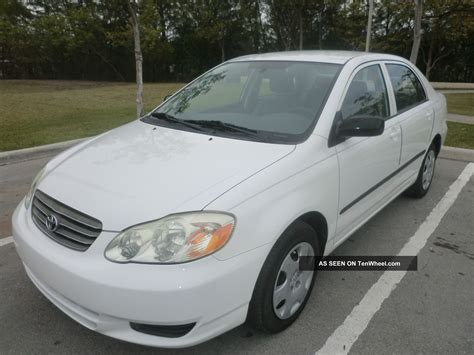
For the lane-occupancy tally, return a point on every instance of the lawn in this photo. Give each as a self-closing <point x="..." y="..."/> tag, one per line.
<point x="41" y="112"/>
<point x="460" y="135"/>
<point x="462" y="104"/>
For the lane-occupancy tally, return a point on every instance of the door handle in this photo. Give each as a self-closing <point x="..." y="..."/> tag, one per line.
<point x="394" y="133"/>
<point x="429" y="115"/>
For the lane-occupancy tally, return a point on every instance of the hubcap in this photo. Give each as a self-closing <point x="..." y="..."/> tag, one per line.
<point x="292" y="284"/>
<point x="428" y="169"/>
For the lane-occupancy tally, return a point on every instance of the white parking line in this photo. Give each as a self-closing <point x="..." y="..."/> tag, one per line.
<point x="5" y="241"/>
<point x="341" y="341"/>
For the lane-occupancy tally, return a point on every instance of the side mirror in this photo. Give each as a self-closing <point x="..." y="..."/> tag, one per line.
<point x="167" y="97"/>
<point x="356" y="126"/>
<point x="361" y="126"/>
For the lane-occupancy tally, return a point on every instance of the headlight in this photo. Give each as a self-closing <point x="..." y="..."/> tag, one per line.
<point x="29" y="195"/>
<point x="174" y="239"/>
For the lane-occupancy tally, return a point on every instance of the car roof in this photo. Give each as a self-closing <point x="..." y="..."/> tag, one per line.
<point x="321" y="56"/>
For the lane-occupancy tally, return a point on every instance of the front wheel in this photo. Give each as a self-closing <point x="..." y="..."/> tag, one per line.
<point x="282" y="289"/>
<point x="425" y="175"/>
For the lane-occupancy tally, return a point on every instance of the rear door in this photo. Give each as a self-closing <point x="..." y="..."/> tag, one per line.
<point x="366" y="164"/>
<point x="415" y="114"/>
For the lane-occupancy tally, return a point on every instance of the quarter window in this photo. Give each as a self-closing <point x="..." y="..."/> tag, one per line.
<point x="406" y="86"/>
<point x="367" y="95"/>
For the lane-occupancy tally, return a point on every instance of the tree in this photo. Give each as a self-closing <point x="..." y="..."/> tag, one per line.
<point x="369" y="25"/>
<point x="15" y="48"/>
<point x="290" y="19"/>
<point x="179" y="39"/>
<point x="448" y="27"/>
<point x="133" y="9"/>
<point x="348" y="28"/>
<point x="416" y="31"/>
<point x="251" y="15"/>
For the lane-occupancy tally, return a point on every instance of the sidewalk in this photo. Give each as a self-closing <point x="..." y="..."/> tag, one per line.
<point x="452" y="117"/>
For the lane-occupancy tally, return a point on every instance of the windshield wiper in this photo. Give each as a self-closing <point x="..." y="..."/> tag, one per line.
<point x="222" y="126"/>
<point x="169" y="118"/>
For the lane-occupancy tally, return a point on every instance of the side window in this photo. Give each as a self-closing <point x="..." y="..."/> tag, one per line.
<point x="367" y="95"/>
<point x="406" y="86"/>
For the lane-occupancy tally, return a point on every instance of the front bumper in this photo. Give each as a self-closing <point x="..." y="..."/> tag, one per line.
<point x="106" y="296"/>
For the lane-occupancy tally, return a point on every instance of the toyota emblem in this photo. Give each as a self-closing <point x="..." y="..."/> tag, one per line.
<point x="52" y="223"/>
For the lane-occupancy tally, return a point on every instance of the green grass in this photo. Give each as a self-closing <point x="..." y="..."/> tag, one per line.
<point x="462" y="104"/>
<point x="460" y="135"/>
<point x="42" y="112"/>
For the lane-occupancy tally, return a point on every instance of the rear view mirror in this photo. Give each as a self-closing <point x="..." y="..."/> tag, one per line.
<point x="167" y="97"/>
<point x="361" y="126"/>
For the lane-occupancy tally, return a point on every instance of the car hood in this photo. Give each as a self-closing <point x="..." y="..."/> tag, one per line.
<point x="139" y="172"/>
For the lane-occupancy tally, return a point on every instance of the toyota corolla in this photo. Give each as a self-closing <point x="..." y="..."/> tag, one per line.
<point x="193" y="219"/>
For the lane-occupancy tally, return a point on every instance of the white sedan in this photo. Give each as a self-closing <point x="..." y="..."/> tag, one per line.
<point x="192" y="220"/>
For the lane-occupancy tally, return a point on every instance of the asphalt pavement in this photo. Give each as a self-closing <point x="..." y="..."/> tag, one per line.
<point x="429" y="311"/>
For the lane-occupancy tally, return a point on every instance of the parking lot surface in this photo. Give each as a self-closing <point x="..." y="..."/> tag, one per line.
<point x="429" y="311"/>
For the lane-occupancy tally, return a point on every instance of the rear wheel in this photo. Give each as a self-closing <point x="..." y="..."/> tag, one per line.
<point x="282" y="289"/>
<point x="425" y="175"/>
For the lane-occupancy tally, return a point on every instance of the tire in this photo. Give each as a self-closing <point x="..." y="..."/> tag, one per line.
<point x="425" y="175"/>
<point x="264" y="314"/>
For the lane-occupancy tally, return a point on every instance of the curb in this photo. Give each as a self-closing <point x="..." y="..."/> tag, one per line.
<point x="42" y="151"/>
<point x="460" y="154"/>
<point x="452" y="86"/>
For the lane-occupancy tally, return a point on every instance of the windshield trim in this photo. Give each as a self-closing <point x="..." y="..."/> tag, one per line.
<point x="269" y="137"/>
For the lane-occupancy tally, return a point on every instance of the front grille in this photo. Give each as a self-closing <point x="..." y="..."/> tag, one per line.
<point x="63" y="224"/>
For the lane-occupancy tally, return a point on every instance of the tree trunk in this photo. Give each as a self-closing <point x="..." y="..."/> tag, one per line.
<point x="301" y="28"/>
<point x="435" y="61"/>
<point x="369" y="25"/>
<point x="138" y="56"/>
<point x="320" y="29"/>
<point x="161" y="11"/>
<point x="416" y="31"/>
<point x="429" y="62"/>
<point x="257" y="37"/>
<point x="281" y="39"/>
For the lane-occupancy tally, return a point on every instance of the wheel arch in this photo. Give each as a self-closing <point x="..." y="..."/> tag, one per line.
<point x="437" y="143"/>
<point x="318" y="222"/>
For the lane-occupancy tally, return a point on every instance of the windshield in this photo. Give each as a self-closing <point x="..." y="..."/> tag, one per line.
<point x="269" y="101"/>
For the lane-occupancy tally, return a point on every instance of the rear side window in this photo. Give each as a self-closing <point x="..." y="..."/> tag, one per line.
<point x="406" y="86"/>
<point x="367" y="95"/>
